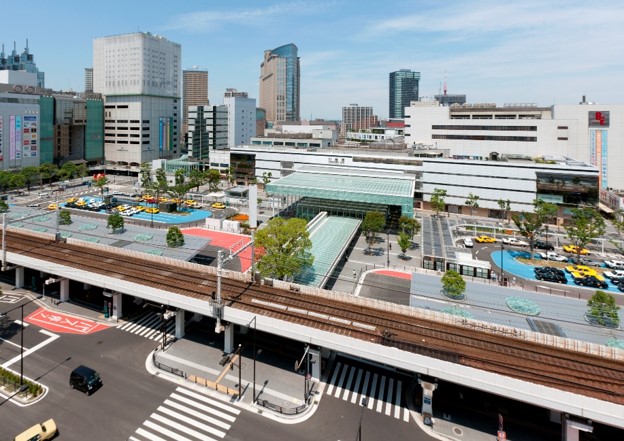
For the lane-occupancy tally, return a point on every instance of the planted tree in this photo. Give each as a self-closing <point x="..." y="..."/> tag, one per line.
<point x="175" y="238"/>
<point x="438" y="203"/>
<point x="213" y="179"/>
<point x="145" y="175"/>
<point x="603" y="310"/>
<point x="266" y="178"/>
<point x="115" y="222"/>
<point x="584" y="225"/>
<point x="531" y="225"/>
<point x="405" y="242"/>
<point x="505" y="207"/>
<point x="286" y="244"/>
<point x="31" y="175"/>
<point x="47" y="171"/>
<point x="409" y="225"/>
<point x="181" y="187"/>
<point x="65" y="217"/>
<point x="100" y="181"/>
<point x="453" y="284"/>
<point x="197" y="178"/>
<point x="472" y="202"/>
<point x="373" y="223"/>
<point x="4" y="207"/>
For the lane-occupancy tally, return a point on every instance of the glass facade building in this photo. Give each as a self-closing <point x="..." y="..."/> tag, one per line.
<point x="404" y="85"/>
<point x="279" y="84"/>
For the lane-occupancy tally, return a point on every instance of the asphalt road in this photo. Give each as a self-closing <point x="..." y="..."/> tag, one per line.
<point x="128" y="396"/>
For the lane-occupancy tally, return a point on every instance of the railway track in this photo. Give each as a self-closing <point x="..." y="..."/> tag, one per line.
<point x="567" y="370"/>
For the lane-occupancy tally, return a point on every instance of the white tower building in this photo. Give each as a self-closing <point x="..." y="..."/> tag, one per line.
<point x="241" y="117"/>
<point x="140" y="77"/>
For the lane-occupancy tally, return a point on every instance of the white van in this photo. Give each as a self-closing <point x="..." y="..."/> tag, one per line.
<point x="44" y="195"/>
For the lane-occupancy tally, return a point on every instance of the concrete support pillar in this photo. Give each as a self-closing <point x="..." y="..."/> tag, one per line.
<point x="427" y="400"/>
<point x="86" y="286"/>
<point x="571" y="426"/>
<point x="19" y="277"/>
<point x="179" y="324"/>
<point x="197" y="317"/>
<point x="228" y="345"/>
<point x="117" y="301"/>
<point x="64" y="290"/>
<point x="315" y="364"/>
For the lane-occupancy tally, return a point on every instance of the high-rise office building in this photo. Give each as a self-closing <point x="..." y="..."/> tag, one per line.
<point x="279" y="84"/>
<point x="194" y="93"/>
<point x="140" y="77"/>
<point x="355" y="118"/>
<point x="241" y="117"/>
<point x="403" y="90"/>
<point x="207" y="131"/>
<point x="21" y="62"/>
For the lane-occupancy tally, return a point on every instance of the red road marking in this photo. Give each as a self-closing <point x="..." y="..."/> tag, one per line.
<point x="63" y="323"/>
<point x="397" y="274"/>
<point x="225" y="240"/>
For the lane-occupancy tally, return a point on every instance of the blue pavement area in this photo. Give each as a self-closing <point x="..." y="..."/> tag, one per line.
<point x="495" y="304"/>
<point x="330" y="239"/>
<point x="514" y="267"/>
<point x="189" y="215"/>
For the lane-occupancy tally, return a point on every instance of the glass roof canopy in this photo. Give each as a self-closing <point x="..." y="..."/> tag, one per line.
<point x="337" y="183"/>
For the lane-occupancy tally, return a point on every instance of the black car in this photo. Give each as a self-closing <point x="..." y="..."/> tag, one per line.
<point x="543" y="245"/>
<point x="550" y="274"/>
<point x="591" y="282"/>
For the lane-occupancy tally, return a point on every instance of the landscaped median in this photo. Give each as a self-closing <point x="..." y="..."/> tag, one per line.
<point x="27" y="393"/>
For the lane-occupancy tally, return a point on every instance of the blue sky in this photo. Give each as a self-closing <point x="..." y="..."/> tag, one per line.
<point x="509" y="51"/>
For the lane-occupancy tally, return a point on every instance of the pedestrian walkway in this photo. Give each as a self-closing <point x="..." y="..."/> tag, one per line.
<point x="379" y="391"/>
<point x="149" y="325"/>
<point x="188" y="415"/>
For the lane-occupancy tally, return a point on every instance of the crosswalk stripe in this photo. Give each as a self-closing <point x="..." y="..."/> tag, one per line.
<point x="181" y="427"/>
<point x="130" y="326"/>
<point x="165" y="431"/>
<point x="397" y="401"/>
<point x="366" y="383"/>
<point x="380" y="397"/>
<point x="190" y="421"/>
<point x="349" y="381"/>
<point x="356" y="388"/>
<point x="209" y="400"/>
<point x="199" y="406"/>
<point x="371" y="399"/>
<point x="389" y="397"/>
<point x="144" y="433"/>
<point x="333" y="380"/>
<point x="341" y="381"/>
<point x="406" y="417"/>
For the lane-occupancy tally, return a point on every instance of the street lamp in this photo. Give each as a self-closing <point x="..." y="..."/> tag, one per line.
<point x="364" y="404"/>
<point x="502" y="268"/>
<point x="388" y="248"/>
<point x="253" y="400"/>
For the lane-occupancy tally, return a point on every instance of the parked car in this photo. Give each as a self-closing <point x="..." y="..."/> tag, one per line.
<point x="591" y="282"/>
<point x="543" y="245"/>
<point x="468" y="243"/>
<point x="554" y="275"/>
<point x="39" y="432"/>
<point x="515" y="242"/>
<point x="152" y="210"/>
<point x="549" y="255"/>
<point x="614" y="264"/>
<point x="590" y="262"/>
<point x="574" y="249"/>
<point x="52" y="206"/>
<point x="218" y="205"/>
<point x="485" y="239"/>
<point x="614" y="274"/>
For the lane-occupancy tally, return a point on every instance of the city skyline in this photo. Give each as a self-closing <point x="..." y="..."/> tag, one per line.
<point x="543" y="52"/>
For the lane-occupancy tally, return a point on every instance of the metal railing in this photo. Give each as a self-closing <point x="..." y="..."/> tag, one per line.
<point x="166" y="368"/>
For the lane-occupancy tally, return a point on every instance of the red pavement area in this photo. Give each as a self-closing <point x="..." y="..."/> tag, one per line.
<point x="63" y="323"/>
<point x="397" y="274"/>
<point x="221" y="239"/>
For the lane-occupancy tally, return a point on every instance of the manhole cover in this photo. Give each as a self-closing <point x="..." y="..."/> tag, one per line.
<point x="458" y="431"/>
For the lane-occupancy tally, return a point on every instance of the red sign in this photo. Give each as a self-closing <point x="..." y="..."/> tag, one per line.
<point x="63" y="323"/>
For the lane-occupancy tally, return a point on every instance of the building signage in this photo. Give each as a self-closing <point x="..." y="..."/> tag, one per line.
<point x="598" y="119"/>
<point x="598" y="154"/>
<point x="12" y="137"/>
<point x="29" y="136"/>
<point x="550" y="198"/>
<point x="1" y="136"/>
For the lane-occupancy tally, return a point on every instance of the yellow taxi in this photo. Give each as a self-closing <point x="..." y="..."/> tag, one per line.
<point x="574" y="249"/>
<point x="152" y="210"/>
<point x="71" y="200"/>
<point x="146" y="197"/>
<point x="218" y="205"/>
<point x="139" y="208"/>
<point x="39" y="432"/>
<point x="485" y="239"/>
<point x="52" y="206"/>
<point x="189" y="202"/>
